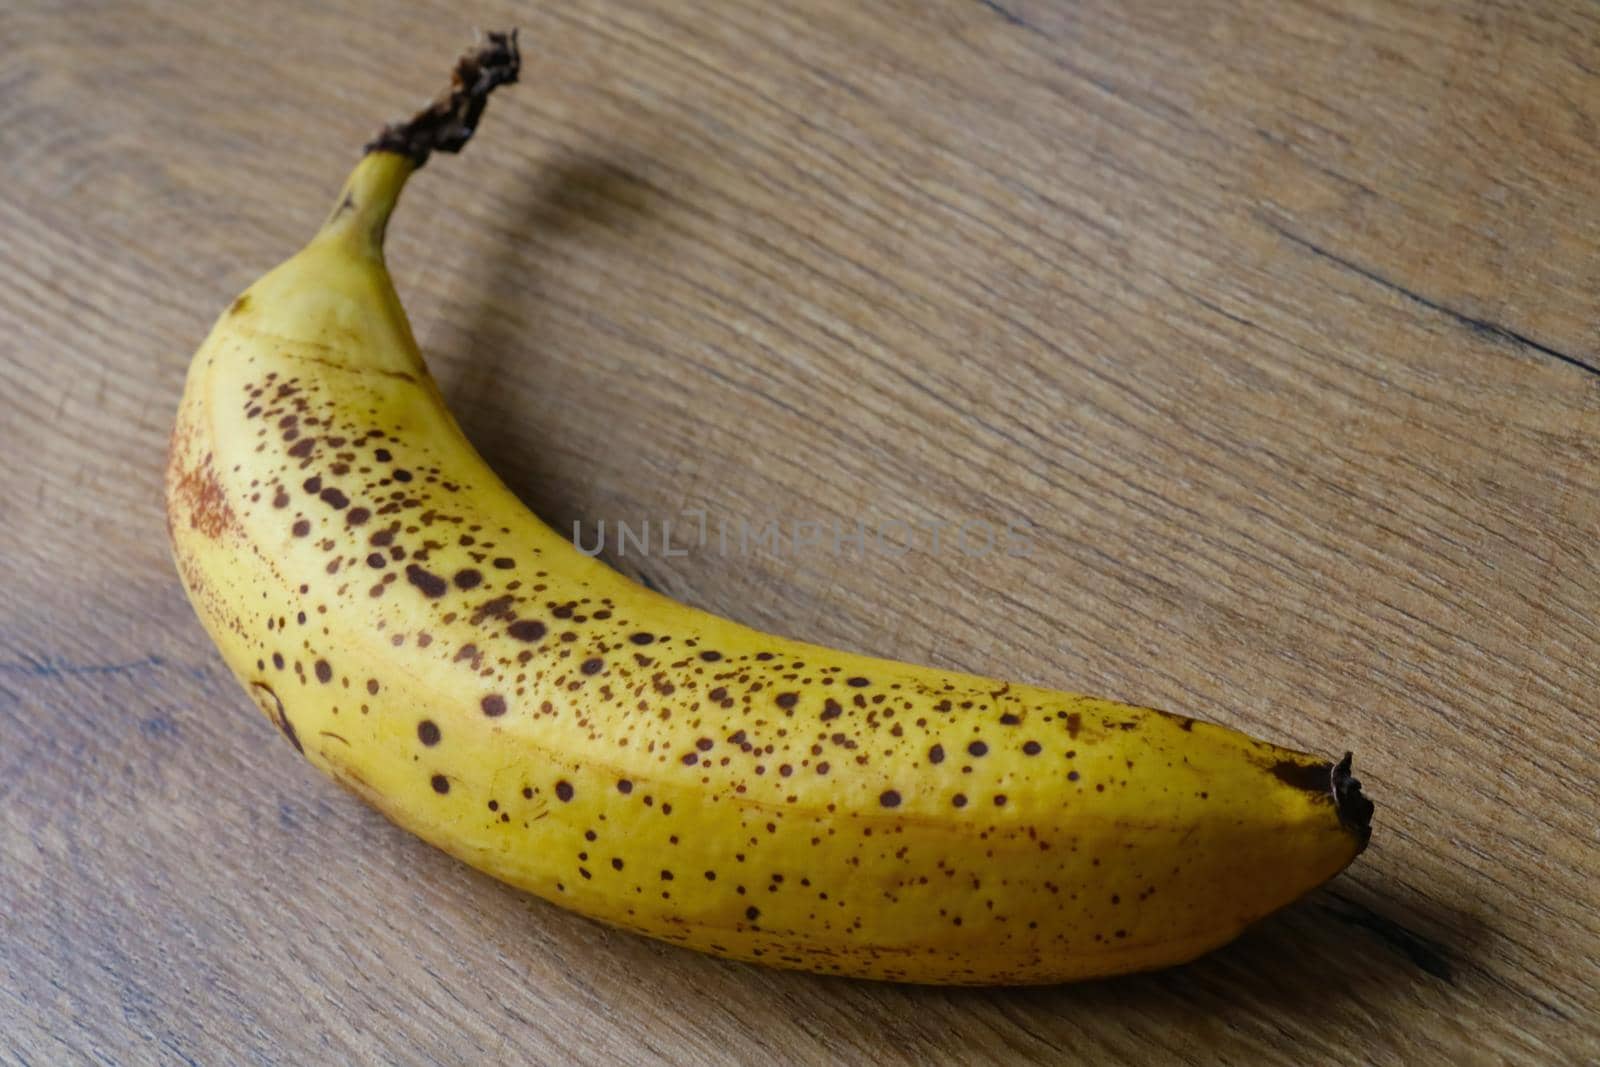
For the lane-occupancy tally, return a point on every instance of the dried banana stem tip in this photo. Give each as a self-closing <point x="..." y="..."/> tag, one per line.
<point x="447" y="123"/>
<point x="1355" y="810"/>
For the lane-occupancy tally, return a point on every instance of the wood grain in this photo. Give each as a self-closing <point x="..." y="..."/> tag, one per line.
<point x="1274" y="321"/>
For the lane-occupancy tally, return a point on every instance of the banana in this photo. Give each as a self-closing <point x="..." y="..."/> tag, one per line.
<point x="420" y="636"/>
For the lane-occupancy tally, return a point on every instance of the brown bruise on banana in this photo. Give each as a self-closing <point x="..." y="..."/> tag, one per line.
<point x="740" y="793"/>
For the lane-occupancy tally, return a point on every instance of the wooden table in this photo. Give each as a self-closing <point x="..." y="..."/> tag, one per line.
<point x="1274" y="322"/>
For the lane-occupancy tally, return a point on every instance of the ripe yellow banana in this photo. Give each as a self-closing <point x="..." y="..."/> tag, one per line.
<point x="424" y="639"/>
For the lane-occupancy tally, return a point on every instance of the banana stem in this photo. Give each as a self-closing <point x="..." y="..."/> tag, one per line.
<point x="1355" y="810"/>
<point x="401" y="148"/>
<point x="449" y="121"/>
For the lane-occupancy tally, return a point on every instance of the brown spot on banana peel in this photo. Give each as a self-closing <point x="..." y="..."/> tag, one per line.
<point x="431" y="585"/>
<point x="1315" y="778"/>
<point x="200" y="493"/>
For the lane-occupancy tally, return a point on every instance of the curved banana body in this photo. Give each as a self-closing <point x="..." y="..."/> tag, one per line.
<point x="425" y="640"/>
